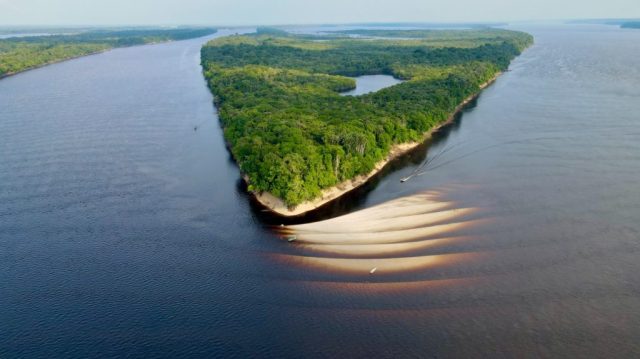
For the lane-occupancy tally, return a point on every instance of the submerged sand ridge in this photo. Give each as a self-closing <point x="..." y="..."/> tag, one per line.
<point x="402" y="235"/>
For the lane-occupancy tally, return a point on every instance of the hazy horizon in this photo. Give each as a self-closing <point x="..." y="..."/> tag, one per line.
<point x="291" y="12"/>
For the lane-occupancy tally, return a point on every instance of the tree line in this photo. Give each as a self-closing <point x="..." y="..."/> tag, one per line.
<point x="291" y="131"/>
<point x="22" y="53"/>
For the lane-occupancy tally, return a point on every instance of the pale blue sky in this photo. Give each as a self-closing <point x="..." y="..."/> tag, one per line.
<point x="238" y="12"/>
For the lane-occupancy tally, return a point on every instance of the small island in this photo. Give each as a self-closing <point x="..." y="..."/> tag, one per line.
<point x="300" y="144"/>
<point x="23" y="53"/>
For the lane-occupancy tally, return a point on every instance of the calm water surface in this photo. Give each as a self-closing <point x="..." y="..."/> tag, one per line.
<point x="6" y="36"/>
<point x="124" y="232"/>
<point x="371" y="83"/>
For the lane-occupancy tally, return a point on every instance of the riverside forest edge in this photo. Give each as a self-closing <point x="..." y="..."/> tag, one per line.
<point x="19" y="54"/>
<point x="299" y="143"/>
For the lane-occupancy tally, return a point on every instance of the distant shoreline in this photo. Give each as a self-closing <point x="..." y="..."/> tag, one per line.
<point x="8" y="74"/>
<point x="277" y="205"/>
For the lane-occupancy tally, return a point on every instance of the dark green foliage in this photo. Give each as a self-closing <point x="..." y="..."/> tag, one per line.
<point x="22" y="53"/>
<point x="291" y="131"/>
<point x="460" y="38"/>
<point x="271" y="31"/>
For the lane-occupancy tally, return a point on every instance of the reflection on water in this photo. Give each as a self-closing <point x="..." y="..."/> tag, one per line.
<point x="404" y="219"/>
<point x="393" y="237"/>
<point x="371" y="83"/>
<point x="124" y="232"/>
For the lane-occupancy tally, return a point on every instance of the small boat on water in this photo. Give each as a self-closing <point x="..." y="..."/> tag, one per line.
<point x="292" y="238"/>
<point x="373" y="270"/>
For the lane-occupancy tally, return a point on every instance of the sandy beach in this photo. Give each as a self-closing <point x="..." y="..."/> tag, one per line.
<point x="278" y="206"/>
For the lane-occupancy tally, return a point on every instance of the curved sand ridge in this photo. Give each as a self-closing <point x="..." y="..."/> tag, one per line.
<point x="390" y="238"/>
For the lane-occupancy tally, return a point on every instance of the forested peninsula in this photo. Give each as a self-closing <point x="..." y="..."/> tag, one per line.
<point x="23" y="53"/>
<point x="299" y="143"/>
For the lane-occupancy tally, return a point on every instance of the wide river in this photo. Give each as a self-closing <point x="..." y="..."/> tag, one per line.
<point x="125" y="229"/>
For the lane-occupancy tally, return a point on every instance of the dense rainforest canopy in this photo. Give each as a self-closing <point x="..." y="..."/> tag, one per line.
<point x="22" y="53"/>
<point x="291" y="131"/>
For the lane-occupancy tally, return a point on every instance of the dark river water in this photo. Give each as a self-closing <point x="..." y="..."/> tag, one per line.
<point x="125" y="232"/>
